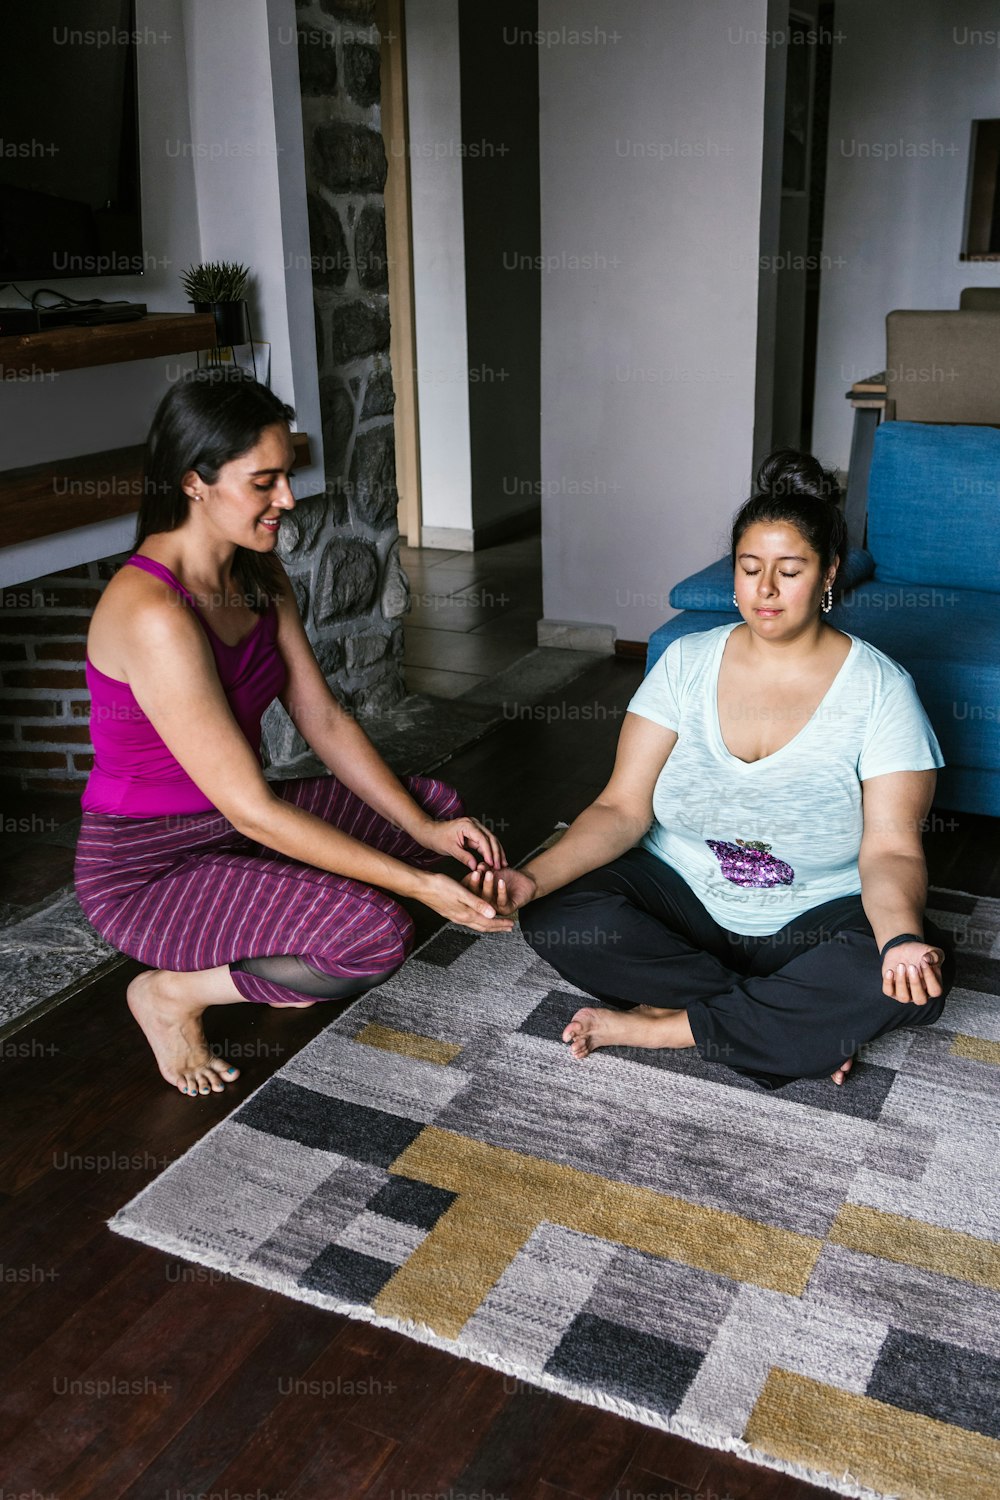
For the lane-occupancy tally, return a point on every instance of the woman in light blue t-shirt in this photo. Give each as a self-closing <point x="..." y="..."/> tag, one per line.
<point x="752" y="880"/>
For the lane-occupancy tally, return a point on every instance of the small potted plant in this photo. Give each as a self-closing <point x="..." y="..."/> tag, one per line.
<point x="219" y="287"/>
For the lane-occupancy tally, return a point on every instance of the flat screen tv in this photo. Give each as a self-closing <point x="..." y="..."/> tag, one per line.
<point x="69" y="141"/>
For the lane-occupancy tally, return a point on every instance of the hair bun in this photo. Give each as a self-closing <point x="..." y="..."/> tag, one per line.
<point x="787" y="472"/>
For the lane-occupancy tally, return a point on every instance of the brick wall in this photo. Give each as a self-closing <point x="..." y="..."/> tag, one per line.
<point x="44" y="703"/>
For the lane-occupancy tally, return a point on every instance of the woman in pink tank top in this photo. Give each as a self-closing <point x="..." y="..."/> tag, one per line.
<point x="231" y="887"/>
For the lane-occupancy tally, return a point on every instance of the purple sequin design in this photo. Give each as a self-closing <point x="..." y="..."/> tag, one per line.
<point x="749" y="863"/>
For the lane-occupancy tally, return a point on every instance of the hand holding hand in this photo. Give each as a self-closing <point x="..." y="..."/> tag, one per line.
<point x="506" y="889"/>
<point x="911" y="973"/>
<point x="450" y="899"/>
<point x="465" y="839"/>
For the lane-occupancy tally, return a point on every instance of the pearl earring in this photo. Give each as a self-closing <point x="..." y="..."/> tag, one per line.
<point x="735" y="603"/>
<point x="828" y="600"/>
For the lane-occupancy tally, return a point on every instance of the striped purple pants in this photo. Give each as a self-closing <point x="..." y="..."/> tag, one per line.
<point x="188" y="893"/>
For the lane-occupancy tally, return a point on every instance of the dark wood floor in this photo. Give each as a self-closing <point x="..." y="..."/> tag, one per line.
<point x="131" y="1374"/>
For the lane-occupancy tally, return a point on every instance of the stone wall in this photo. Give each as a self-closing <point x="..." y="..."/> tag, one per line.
<point x="342" y="547"/>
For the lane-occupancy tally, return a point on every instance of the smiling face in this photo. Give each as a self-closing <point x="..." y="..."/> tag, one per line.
<point x="779" y="579"/>
<point x="245" y="504"/>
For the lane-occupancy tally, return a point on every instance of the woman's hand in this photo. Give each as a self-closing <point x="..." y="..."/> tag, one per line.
<point x="911" y="973"/>
<point x="506" y="889"/>
<point x="466" y="840"/>
<point x="451" y="900"/>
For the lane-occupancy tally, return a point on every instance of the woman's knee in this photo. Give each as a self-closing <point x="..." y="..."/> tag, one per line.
<point x="373" y="950"/>
<point x="342" y="971"/>
<point x="557" y="922"/>
<point x="392" y="944"/>
<point x="537" y="918"/>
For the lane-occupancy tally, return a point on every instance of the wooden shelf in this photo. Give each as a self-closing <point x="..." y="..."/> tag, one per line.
<point x="76" y="348"/>
<point x="49" y="498"/>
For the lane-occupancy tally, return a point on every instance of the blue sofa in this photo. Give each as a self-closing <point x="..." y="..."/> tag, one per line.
<point x="926" y="591"/>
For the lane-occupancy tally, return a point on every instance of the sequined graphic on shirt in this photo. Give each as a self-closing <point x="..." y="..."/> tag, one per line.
<point x="749" y="862"/>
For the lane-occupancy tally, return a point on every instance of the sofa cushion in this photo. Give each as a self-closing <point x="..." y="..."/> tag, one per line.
<point x="947" y="639"/>
<point x="934" y="505"/>
<point x="712" y="587"/>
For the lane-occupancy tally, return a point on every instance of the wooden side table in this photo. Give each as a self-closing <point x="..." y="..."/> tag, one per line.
<point x="867" y="397"/>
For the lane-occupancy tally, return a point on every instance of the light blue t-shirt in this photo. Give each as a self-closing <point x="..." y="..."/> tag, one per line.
<point x="761" y="842"/>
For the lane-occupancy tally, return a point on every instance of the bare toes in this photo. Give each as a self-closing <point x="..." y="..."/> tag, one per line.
<point x="222" y="1069"/>
<point x="577" y="1034"/>
<point x="576" y="1028"/>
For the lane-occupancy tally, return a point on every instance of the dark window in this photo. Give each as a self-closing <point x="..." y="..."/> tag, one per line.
<point x="981" y="240"/>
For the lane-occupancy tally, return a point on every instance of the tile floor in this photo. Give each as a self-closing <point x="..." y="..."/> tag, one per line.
<point x="471" y="614"/>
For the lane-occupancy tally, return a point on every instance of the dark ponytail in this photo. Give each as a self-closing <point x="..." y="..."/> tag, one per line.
<point x="208" y="418"/>
<point x="793" y="488"/>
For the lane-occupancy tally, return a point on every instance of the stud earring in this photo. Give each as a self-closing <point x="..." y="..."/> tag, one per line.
<point x="828" y="600"/>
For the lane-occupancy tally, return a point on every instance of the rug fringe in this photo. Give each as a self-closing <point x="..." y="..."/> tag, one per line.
<point x="682" y="1427"/>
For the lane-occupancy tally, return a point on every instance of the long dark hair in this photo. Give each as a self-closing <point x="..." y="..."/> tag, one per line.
<point x="794" y="488"/>
<point x="207" y="419"/>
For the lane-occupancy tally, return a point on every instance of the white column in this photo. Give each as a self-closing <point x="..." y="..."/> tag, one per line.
<point x="433" y="85"/>
<point x="652" y="131"/>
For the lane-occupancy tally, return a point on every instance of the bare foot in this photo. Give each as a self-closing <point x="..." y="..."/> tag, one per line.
<point x="646" y="1026"/>
<point x="842" y="1072"/>
<point x="172" y="1027"/>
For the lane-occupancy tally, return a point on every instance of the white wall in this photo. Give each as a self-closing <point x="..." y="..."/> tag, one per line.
<point x="651" y="155"/>
<point x="242" y="69"/>
<point x="223" y="177"/>
<point x="435" y="127"/>
<point x="906" y="80"/>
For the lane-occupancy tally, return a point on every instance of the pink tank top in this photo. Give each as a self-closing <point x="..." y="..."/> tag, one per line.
<point x="134" y="774"/>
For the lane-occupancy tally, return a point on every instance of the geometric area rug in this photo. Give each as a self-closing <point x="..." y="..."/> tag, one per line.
<point x="808" y="1278"/>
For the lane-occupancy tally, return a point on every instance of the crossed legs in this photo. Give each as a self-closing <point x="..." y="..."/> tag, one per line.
<point x="221" y="922"/>
<point x="798" y="1003"/>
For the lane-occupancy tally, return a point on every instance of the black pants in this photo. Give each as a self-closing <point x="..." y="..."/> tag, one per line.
<point x="794" y="1004"/>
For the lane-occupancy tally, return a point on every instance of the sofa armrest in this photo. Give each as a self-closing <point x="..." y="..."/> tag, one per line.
<point x="711" y="588"/>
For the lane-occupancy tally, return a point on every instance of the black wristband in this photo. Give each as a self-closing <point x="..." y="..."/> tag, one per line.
<point x="904" y="937"/>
